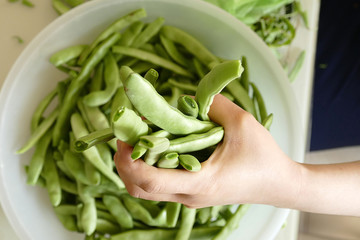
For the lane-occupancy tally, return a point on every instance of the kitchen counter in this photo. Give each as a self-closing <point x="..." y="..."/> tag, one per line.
<point x="17" y="20"/>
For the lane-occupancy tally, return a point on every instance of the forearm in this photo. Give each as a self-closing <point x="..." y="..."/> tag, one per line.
<point x="330" y="189"/>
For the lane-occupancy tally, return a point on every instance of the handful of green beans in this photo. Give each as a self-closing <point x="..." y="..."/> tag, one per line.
<point x="134" y="83"/>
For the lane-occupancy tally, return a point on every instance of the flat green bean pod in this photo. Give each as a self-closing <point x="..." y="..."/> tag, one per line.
<point x="93" y="138"/>
<point x="118" y="210"/>
<point x="66" y="54"/>
<point x="214" y="82"/>
<point x="152" y="105"/>
<point x="116" y="26"/>
<point x="197" y="141"/>
<point x="191" y="44"/>
<point x="112" y="81"/>
<point x="152" y="58"/>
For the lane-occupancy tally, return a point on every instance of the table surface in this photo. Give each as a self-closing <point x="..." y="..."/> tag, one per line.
<point x="17" y="20"/>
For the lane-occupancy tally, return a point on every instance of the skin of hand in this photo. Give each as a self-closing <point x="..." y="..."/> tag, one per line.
<point x="247" y="167"/>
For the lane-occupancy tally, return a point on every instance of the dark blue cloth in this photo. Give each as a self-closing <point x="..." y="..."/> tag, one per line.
<point x="336" y="93"/>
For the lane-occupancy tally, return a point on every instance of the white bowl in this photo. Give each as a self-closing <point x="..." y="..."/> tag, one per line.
<point x="31" y="78"/>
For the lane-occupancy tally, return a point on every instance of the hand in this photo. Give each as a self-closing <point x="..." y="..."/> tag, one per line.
<point x="246" y="167"/>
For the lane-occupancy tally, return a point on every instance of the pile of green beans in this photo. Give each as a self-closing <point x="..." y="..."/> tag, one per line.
<point x="134" y="83"/>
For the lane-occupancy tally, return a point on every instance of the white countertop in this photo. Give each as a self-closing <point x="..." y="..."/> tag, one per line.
<point x="19" y="20"/>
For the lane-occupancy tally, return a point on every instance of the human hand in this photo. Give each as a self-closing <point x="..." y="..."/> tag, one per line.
<point x="247" y="167"/>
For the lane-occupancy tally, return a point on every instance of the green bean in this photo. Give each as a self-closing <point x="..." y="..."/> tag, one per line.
<point x="77" y="84"/>
<point x="129" y="35"/>
<point x="65" y="209"/>
<point x="198" y="233"/>
<point x="203" y="215"/>
<point x="188" y="106"/>
<point x="96" y="120"/>
<point x="151" y="75"/>
<point x="88" y="214"/>
<point x="191" y="44"/>
<point x="120" y="99"/>
<point x="172" y="213"/>
<point x="37" y="115"/>
<point x="169" y="160"/>
<point x="152" y="58"/>
<point x="118" y="210"/>
<point x="104" y="214"/>
<point x="63" y="168"/>
<point x="260" y="101"/>
<point x="155" y="146"/>
<point x="38" y="158"/>
<point x="115" y="27"/>
<point x="241" y="96"/>
<point x="160" y="50"/>
<point x="199" y="68"/>
<point x="189" y="162"/>
<point x="67" y="185"/>
<point x="106" y="227"/>
<point x="268" y="121"/>
<point x="142" y="67"/>
<point x="152" y="105"/>
<point x="296" y="68"/>
<point x="92" y="173"/>
<point x="197" y="141"/>
<point x="97" y="137"/>
<point x="152" y="142"/>
<point x="186" y="224"/>
<point x="128" y="126"/>
<point x="112" y="81"/>
<point x="39" y="131"/>
<point x="106" y="154"/>
<point x="68" y="221"/>
<point x="173" y="51"/>
<point x="139" y="150"/>
<point x="51" y="176"/>
<point x="244" y="79"/>
<point x="228" y="96"/>
<point x="92" y="154"/>
<point x="137" y="211"/>
<point x="60" y="7"/>
<point x="172" y="99"/>
<point x="232" y="223"/>
<point x="74" y="3"/>
<point x="150" y="30"/>
<point x="64" y="55"/>
<point x="214" y="82"/>
<point x="97" y="80"/>
<point x="183" y="85"/>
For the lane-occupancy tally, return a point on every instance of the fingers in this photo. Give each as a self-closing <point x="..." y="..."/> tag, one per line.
<point x="152" y="180"/>
<point x="223" y="111"/>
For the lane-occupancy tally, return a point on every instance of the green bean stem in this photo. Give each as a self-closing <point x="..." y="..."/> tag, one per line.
<point x="128" y="126"/>
<point x="97" y="137"/>
<point x="188" y="106"/>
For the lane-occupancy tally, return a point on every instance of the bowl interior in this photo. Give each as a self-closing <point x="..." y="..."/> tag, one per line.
<point x="32" y="77"/>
